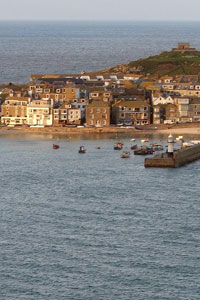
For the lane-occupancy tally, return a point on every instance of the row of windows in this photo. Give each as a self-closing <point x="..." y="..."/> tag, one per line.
<point x="97" y="110"/>
<point x="102" y="116"/>
<point x="98" y="122"/>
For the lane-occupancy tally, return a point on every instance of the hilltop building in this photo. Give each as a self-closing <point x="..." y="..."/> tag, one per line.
<point x="184" y="47"/>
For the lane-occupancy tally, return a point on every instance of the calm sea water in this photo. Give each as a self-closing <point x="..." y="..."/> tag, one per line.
<point x="71" y="47"/>
<point x="95" y="226"/>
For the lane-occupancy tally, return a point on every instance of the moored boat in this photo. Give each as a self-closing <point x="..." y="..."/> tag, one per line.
<point x="125" y="154"/>
<point x="56" y="146"/>
<point x="133" y="147"/>
<point x="156" y="147"/>
<point x="118" y="146"/>
<point x="143" y="151"/>
<point x="82" y="149"/>
<point x="145" y="140"/>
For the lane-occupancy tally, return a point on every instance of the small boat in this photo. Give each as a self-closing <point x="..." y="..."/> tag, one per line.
<point x="134" y="147"/>
<point x="144" y="151"/>
<point x="156" y="147"/>
<point x="179" y="138"/>
<point x="98" y="147"/>
<point x="118" y="146"/>
<point x="195" y="142"/>
<point x="82" y="149"/>
<point x="56" y="146"/>
<point x="145" y="140"/>
<point x="132" y="140"/>
<point x="125" y="154"/>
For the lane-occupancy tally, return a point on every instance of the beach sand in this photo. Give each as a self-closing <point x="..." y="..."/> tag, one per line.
<point x="188" y="129"/>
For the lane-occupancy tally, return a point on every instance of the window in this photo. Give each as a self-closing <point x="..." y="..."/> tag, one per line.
<point x="94" y="95"/>
<point x="91" y="110"/>
<point x="97" y="110"/>
<point x="91" y="122"/>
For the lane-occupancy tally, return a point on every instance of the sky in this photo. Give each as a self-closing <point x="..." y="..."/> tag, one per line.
<point x="134" y="10"/>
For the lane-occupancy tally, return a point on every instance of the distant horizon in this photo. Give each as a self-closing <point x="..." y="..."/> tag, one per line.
<point x="100" y="20"/>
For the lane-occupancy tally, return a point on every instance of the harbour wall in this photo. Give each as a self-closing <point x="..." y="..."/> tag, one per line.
<point x="186" y="155"/>
<point x="180" y="158"/>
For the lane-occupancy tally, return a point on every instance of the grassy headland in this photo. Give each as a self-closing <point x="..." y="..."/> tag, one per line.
<point x="166" y="63"/>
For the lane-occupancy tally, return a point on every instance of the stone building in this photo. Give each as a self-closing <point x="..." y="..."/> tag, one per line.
<point x="98" y="114"/>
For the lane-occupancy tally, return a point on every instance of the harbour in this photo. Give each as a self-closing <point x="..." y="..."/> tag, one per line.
<point x="70" y="219"/>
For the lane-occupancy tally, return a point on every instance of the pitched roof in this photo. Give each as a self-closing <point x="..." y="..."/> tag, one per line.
<point x="18" y="98"/>
<point x="97" y="104"/>
<point x="131" y="104"/>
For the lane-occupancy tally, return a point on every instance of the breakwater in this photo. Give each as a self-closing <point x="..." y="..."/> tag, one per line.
<point x="177" y="159"/>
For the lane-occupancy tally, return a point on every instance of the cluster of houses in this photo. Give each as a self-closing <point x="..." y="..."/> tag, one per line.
<point x="101" y="100"/>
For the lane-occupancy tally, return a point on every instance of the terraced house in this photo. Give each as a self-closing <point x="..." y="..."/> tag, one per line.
<point x="131" y="112"/>
<point x="39" y="112"/>
<point x="14" y="110"/>
<point x="97" y="114"/>
<point x="66" y="114"/>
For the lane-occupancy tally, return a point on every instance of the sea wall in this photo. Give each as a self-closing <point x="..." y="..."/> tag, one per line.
<point x="180" y="158"/>
<point x="159" y="161"/>
<point x="186" y="155"/>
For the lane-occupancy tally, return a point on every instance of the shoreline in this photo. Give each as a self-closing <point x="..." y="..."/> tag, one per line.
<point x="187" y="130"/>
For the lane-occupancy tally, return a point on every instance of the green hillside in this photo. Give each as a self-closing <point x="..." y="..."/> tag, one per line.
<point x="166" y="63"/>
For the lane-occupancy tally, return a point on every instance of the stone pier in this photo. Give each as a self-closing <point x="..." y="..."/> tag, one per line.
<point x="177" y="159"/>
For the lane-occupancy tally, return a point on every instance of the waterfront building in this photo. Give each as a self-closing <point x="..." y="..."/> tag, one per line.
<point x="81" y="104"/>
<point x="131" y="112"/>
<point x="98" y="114"/>
<point x="66" y="114"/>
<point x="171" y="113"/>
<point x="14" y="110"/>
<point x="194" y="110"/>
<point x="39" y="112"/>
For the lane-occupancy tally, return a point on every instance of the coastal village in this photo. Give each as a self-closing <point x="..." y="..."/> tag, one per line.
<point x="103" y="100"/>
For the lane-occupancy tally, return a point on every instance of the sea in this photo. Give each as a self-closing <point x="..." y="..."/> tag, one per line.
<point x="93" y="225"/>
<point x="72" y="47"/>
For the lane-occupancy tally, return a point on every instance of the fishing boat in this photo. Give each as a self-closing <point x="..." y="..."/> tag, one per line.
<point x="56" y="146"/>
<point x="118" y="146"/>
<point x="144" y="151"/>
<point x="132" y="140"/>
<point x="125" y="154"/>
<point x="82" y="149"/>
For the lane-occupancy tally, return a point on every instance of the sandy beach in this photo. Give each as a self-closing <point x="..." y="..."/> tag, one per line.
<point x="180" y="129"/>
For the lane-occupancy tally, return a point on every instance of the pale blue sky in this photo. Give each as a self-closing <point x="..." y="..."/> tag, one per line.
<point x="100" y="10"/>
